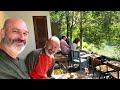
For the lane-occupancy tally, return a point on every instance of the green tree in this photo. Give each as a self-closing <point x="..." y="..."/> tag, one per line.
<point x="97" y="27"/>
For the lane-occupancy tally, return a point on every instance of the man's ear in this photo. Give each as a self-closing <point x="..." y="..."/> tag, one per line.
<point x="2" y="33"/>
<point x="46" y="43"/>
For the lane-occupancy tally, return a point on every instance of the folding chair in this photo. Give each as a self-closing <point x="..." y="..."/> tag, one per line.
<point x="116" y="72"/>
<point x="74" y="60"/>
<point x="102" y="68"/>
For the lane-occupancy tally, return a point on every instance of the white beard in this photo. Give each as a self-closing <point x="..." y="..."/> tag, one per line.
<point x="50" y="55"/>
<point x="16" y="49"/>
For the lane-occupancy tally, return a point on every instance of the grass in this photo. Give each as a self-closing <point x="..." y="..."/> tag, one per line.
<point x="107" y="51"/>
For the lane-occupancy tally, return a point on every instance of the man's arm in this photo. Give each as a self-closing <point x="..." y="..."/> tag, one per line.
<point x="31" y="60"/>
<point x="49" y="73"/>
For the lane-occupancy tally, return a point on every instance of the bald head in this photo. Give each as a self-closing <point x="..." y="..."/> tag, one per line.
<point x="52" y="45"/>
<point x="55" y="39"/>
<point x="14" y="35"/>
<point x="14" y="22"/>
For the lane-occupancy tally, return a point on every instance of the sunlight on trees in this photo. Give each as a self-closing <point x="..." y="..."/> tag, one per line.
<point x="99" y="27"/>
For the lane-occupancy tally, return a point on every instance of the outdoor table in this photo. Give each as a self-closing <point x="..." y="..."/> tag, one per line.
<point x="114" y="65"/>
<point x="77" y="75"/>
<point x="62" y="58"/>
<point x="92" y="58"/>
<point x="86" y="55"/>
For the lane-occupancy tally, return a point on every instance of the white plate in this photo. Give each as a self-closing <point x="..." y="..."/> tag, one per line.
<point x="57" y="76"/>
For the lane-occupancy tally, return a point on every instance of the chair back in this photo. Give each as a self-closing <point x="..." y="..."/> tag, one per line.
<point x="75" y="58"/>
<point x="102" y="67"/>
<point x="116" y="70"/>
<point x="75" y="55"/>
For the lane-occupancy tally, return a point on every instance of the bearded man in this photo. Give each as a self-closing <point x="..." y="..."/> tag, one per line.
<point x="40" y="62"/>
<point x="14" y="37"/>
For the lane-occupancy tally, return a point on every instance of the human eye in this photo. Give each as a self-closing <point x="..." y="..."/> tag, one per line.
<point x="15" y="31"/>
<point x="25" y="33"/>
<point x="55" y="47"/>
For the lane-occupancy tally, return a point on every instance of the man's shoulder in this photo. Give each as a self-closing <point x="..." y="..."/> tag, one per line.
<point x="37" y="50"/>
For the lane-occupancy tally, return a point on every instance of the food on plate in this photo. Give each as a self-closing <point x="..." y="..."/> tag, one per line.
<point x="66" y="76"/>
<point x="72" y="75"/>
<point x="58" y="71"/>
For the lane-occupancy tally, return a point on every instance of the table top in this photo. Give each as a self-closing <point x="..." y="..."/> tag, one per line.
<point x="73" y="75"/>
<point x="115" y="63"/>
<point x="95" y="55"/>
<point x="86" y="55"/>
<point x="60" y="57"/>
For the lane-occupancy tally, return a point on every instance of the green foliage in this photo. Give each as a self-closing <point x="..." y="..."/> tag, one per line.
<point x="98" y="26"/>
<point x="88" y="47"/>
<point x="99" y="29"/>
<point x="85" y="45"/>
<point x="116" y="53"/>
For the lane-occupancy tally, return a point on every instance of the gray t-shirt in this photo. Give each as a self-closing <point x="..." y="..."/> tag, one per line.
<point x="11" y="68"/>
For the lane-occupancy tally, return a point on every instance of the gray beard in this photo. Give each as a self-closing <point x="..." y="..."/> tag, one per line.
<point x="16" y="49"/>
<point x="46" y="51"/>
<point x="12" y="46"/>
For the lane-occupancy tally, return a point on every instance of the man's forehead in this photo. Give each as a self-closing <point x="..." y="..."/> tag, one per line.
<point x="54" y="41"/>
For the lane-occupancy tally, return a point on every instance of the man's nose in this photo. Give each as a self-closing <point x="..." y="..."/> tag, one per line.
<point x="52" y="48"/>
<point x="21" y="36"/>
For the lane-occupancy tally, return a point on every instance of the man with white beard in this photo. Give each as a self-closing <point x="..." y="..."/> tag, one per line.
<point x="40" y="62"/>
<point x="14" y="37"/>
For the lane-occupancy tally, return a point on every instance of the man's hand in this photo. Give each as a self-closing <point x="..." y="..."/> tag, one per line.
<point x="51" y="78"/>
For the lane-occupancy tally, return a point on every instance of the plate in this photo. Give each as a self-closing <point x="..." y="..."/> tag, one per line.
<point x="57" y="76"/>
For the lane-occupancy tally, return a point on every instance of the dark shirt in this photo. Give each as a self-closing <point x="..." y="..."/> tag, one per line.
<point x="11" y="68"/>
<point x="32" y="59"/>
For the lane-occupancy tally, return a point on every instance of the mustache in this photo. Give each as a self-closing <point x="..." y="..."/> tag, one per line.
<point x="53" y="52"/>
<point x="19" y="40"/>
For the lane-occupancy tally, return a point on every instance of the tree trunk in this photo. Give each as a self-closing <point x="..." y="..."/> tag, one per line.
<point x="81" y="29"/>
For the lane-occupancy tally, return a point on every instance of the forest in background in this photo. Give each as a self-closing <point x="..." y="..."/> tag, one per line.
<point x="99" y="31"/>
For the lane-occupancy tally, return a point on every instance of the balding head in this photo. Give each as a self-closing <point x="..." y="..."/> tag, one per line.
<point x="52" y="45"/>
<point x="14" y="35"/>
<point x="55" y="39"/>
<point x="12" y="21"/>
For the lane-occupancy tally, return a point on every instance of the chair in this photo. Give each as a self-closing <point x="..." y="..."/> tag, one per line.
<point x="115" y="74"/>
<point x="74" y="60"/>
<point x="103" y="69"/>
